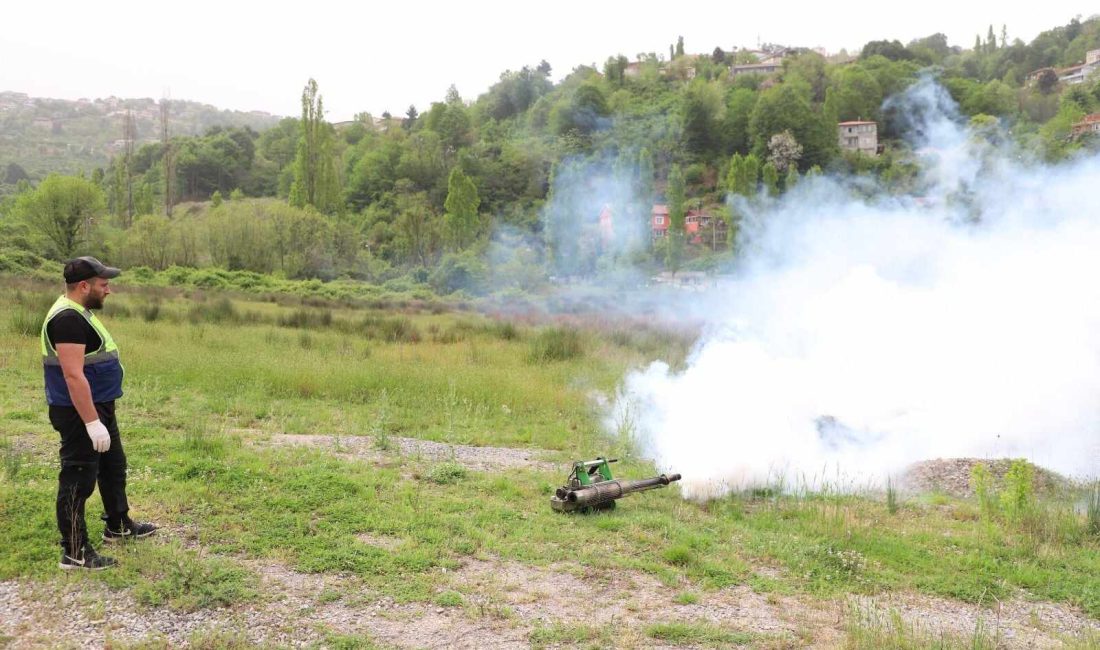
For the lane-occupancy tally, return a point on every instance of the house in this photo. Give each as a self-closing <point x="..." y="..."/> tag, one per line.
<point x="607" y="233"/>
<point x="1089" y="125"/>
<point x="765" y="69"/>
<point x="858" y="136"/>
<point x="700" y="227"/>
<point x="659" y="221"/>
<point x="1079" y="73"/>
<point x="704" y="228"/>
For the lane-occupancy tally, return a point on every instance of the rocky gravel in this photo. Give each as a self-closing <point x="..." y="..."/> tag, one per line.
<point x="953" y="476"/>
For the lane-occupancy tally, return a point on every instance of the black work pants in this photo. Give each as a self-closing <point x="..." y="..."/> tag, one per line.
<point x="82" y="467"/>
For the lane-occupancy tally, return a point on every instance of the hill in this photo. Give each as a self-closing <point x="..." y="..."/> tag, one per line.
<point x="44" y="135"/>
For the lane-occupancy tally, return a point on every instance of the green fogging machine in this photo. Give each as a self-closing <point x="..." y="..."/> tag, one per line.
<point x="590" y="486"/>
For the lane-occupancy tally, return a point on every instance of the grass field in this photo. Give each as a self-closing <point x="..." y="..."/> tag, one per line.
<point x="215" y="381"/>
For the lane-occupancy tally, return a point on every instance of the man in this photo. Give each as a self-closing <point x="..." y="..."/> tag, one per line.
<point x="83" y="379"/>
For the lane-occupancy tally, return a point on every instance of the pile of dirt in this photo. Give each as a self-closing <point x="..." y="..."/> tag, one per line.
<point x="953" y="476"/>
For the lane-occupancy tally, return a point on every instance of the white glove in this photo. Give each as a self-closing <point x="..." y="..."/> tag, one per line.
<point x="101" y="440"/>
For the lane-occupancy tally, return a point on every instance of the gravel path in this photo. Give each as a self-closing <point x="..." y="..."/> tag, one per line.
<point x="475" y="458"/>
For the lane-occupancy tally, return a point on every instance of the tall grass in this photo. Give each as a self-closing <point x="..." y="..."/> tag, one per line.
<point x="869" y="628"/>
<point x="1093" y="510"/>
<point x="556" y="344"/>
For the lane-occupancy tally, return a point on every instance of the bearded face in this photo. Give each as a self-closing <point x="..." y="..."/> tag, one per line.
<point x="98" y="290"/>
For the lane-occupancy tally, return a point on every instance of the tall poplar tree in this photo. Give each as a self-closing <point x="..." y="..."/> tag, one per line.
<point x="315" y="180"/>
<point x="461" y="206"/>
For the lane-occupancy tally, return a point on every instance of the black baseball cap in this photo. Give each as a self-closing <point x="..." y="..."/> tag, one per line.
<point x="85" y="268"/>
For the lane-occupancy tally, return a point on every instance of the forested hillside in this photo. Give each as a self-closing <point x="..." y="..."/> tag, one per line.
<point x="39" y="135"/>
<point x="425" y="197"/>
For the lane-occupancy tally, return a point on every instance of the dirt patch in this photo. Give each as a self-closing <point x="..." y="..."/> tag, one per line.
<point x="379" y="541"/>
<point x="597" y="597"/>
<point x="501" y="603"/>
<point x="952" y="476"/>
<point x="475" y="458"/>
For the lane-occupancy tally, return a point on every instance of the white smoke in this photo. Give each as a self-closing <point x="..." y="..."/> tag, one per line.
<point x="863" y="334"/>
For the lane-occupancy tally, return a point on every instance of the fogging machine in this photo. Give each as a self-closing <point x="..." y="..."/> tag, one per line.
<point x="591" y="486"/>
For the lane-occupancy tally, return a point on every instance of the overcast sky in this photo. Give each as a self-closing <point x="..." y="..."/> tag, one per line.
<point x="377" y="57"/>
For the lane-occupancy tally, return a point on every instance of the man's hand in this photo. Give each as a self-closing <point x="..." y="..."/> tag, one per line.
<point x="101" y="440"/>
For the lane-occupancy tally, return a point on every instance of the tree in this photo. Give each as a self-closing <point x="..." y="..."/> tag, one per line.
<point x="417" y="227"/>
<point x="461" y="209"/>
<point x="734" y="173"/>
<point x="702" y="106"/>
<point x="892" y="50"/>
<point x="674" y="239"/>
<point x="1047" y="80"/>
<point x="771" y="179"/>
<point x="315" y="180"/>
<point x="14" y="173"/>
<point x="784" y="151"/>
<point x="680" y="46"/>
<point x="786" y="107"/>
<point x="410" y="118"/>
<point x="750" y="176"/>
<point x="792" y="178"/>
<point x="63" y="209"/>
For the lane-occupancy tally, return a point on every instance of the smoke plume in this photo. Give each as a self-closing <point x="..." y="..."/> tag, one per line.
<point x="864" y="331"/>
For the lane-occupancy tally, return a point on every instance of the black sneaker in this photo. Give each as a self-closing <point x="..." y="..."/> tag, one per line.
<point x="86" y="558"/>
<point x="128" y="530"/>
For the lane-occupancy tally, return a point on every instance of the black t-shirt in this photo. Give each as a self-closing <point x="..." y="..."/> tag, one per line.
<point x="71" y="327"/>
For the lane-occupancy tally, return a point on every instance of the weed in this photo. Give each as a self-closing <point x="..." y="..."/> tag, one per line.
<point x="305" y="341"/>
<point x="349" y="641"/>
<point x="150" y="312"/>
<point x="450" y="599"/>
<point x="1018" y="497"/>
<point x="686" y="598"/>
<point x="683" y="633"/>
<point x="446" y="473"/>
<point x="891" y="497"/>
<point x="13" y="460"/>
<point x="680" y="555"/>
<point x="571" y="635"/>
<point x="1093" y="510"/>
<point x="379" y="427"/>
<point x="870" y="629"/>
<point x="982" y="481"/>
<point x="507" y="331"/>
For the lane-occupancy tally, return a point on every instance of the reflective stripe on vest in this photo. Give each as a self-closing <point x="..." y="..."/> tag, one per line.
<point x="107" y="349"/>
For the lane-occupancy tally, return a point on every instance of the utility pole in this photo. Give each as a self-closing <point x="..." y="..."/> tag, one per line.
<point x="167" y="158"/>
<point x="129" y="134"/>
